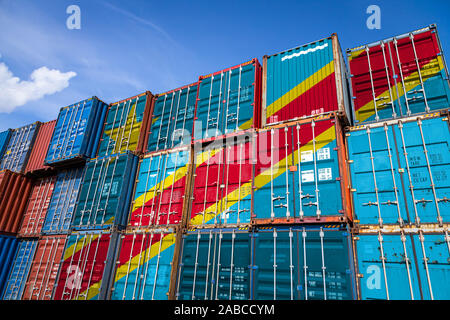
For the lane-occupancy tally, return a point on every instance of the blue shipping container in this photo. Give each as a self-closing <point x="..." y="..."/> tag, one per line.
<point x="19" y="148"/>
<point x="77" y="132"/>
<point x="4" y="139"/>
<point x="399" y="171"/>
<point x="8" y="247"/>
<point x="105" y="194"/>
<point x="62" y="203"/>
<point x="19" y="272"/>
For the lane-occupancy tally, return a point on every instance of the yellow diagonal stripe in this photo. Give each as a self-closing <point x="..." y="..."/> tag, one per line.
<point x="124" y="131"/>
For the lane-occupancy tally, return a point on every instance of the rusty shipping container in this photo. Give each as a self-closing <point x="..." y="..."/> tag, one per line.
<point x="305" y="81"/>
<point x="35" y="163"/>
<point x="44" y="268"/>
<point x="38" y="203"/>
<point x="15" y="189"/>
<point x="399" y="76"/>
<point x="126" y="125"/>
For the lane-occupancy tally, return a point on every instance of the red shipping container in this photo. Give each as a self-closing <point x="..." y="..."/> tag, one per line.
<point x="38" y="203"/>
<point x="36" y="161"/>
<point x="14" y="191"/>
<point x="44" y="268"/>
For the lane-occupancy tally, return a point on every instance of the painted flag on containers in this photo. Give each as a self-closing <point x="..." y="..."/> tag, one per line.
<point x="44" y="268"/>
<point x="86" y="266"/>
<point x="408" y="263"/>
<point x="228" y="101"/>
<point x="301" y="174"/>
<point x="8" y="249"/>
<point x="77" y="132"/>
<point x="214" y="265"/>
<point x="20" y="269"/>
<point x="160" y="188"/>
<point x="15" y="189"/>
<point x="4" y="139"/>
<point x="399" y="170"/>
<point x="399" y="76"/>
<point x="19" y="147"/>
<point x="62" y="203"/>
<point x="105" y="192"/>
<point x="221" y="192"/>
<point x="126" y="125"/>
<point x="146" y="265"/>
<point x="37" y="207"/>
<point x="305" y="81"/>
<point x="173" y="118"/>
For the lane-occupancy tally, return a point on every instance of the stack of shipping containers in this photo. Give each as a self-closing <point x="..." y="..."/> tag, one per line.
<point x="300" y="179"/>
<point x="399" y="159"/>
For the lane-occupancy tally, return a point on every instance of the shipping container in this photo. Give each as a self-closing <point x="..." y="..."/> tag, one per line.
<point x="399" y="76"/>
<point x="20" y="269"/>
<point x="8" y="248"/>
<point x="44" y="268"/>
<point x="173" y="118"/>
<point x="18" y="151"/>
<point x="4" y="139"/>
<point x="77" y="132"/>
<point x="62" y="204"/>
<point x="301" y="174"/>
<point x="305" y="81"/>
<point x="15" y="189"/>
<point x="86" y="267"/>
<point x="160" y="188"/>
<point x="35" y="163"/>
<point x="105" y="192"/>
<point x="215" y="265"/>
<point x="221" y="192"/>
<point x="126" y="125"/>
<point x="403" y="263"/>
<point x="399" y="170"/>
<point x="146" y="264"/>
<point x="36" y="210"/>
<point x="228" y="101"/>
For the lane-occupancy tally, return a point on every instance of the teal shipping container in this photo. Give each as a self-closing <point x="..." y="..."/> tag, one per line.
<point x="105" y="193"/>
<point x="4" y="139"/>
<point x="400" y="170"/>
<point x="403" y="264"/>
<point x="77" y="132"/>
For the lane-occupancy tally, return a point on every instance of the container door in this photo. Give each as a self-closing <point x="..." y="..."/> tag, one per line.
<point x="181" y="130"/>
<point x="165" y="107"/>
<point x="19" y="146"/>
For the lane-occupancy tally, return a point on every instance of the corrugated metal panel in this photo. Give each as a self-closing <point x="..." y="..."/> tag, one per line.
<point x="19" y="147"/>
<point x="37" y="207"/>
<point x="173" y="118"/>
<point x="105" y="193"/>
<point x="144" y="265"/>
<point x="301" y="174"/>
<point x="4" y="139"/>
<point x="20" y="269"/>
<point x="8" y="248"/>
<point x="399" y="76"/>
<point x="62" y="204"/>
<point x="305" y="81"/>
<point x="415" y="265"/>
<point x="302" y="263"/>
<point x="160" y="189"/>
<point x="14" y="192"/>
<point x="228" y="101"/>
<point x="407" y="180"/>
<point x="222" y="183"/>
<point x="126" y="125"/>
<point x="44" y="268"/>
<point x="40" y="147"/>
<point x="86" y="266"/>
<point x="77" y="132"/>
<point x="214" y="264"/>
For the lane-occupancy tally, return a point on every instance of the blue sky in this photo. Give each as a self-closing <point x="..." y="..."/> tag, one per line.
<point x="126" y="47"/>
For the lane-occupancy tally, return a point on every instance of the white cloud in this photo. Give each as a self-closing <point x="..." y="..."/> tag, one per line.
<point x="43" y="81"/>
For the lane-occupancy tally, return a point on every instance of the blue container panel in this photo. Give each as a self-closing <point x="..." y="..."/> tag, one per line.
<point x="8" y="248"/>
<point x="20" y="269"/>
<point x="4" y="139"/>
<point x="62" y="203"/>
